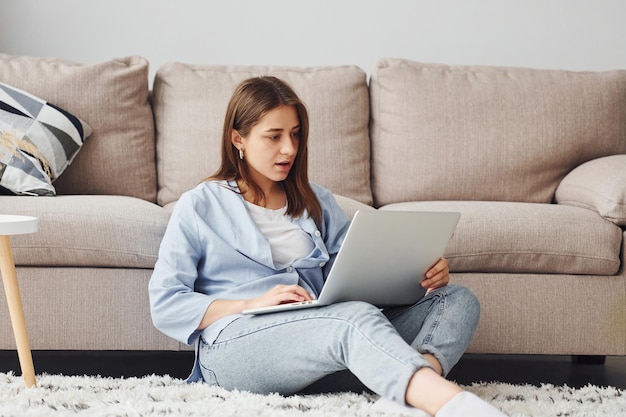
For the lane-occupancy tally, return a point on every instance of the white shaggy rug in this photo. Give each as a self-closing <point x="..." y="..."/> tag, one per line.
<point x="165" y="396"/>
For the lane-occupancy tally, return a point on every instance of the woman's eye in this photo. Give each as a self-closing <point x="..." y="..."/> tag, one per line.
<point x="296" y="134"/>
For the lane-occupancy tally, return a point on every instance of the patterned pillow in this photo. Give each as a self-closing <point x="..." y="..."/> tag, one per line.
<point x="37" y="142"/>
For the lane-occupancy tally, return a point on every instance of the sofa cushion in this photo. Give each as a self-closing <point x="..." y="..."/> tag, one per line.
<point x="598" y="185"/>
<point x="112" y="97"/>
<point x="37" y="141"/>
<point x="350" y="206"/>
<point x="89" y="231"/>
<point x="190" y="104"/>
<point x="527" y="238"/>
<point x="488" y="133"/>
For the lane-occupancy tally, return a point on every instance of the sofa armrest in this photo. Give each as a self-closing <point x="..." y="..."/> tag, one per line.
<point x="598" y="185"/>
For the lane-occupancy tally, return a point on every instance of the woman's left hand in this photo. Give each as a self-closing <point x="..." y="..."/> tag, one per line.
<point x="438" y="276"/>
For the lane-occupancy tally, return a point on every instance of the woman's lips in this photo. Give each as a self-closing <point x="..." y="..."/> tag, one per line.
<point x="285" y="165"/>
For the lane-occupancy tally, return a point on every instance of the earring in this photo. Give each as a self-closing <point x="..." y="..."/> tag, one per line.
<point x="240" y="154"/>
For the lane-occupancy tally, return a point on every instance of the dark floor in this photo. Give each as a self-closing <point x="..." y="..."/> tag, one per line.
<point x="514" y="369"/>
<point x="537" y="370"/>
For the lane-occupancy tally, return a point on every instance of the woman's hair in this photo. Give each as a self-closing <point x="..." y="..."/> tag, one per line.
<point x="252" y="100"/>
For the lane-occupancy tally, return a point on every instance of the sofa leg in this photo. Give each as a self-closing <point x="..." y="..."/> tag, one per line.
<point x="589" y="359"/>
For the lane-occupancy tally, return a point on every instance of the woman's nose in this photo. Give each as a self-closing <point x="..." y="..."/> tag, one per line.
<point x="289" y="146"/>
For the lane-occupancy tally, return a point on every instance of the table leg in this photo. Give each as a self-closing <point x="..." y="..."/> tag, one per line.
<point x="16" y="311"/>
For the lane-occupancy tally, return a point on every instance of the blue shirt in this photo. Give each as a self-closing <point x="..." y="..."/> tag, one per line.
<point x="212" y="249"/>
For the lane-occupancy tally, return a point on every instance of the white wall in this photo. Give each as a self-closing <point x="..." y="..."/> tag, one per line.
<point x="568" y="34"/>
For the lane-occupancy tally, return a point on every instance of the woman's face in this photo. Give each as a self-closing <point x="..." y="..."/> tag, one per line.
<point x="271" y="146"/>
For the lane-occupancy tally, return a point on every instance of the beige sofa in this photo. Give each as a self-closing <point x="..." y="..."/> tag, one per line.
<point x="535" y="160"/>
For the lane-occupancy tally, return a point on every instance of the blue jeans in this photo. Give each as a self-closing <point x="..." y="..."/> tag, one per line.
<point x="286" y="352"/>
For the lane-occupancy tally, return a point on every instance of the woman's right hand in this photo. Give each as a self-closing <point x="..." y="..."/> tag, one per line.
<point x="280" y="294"/>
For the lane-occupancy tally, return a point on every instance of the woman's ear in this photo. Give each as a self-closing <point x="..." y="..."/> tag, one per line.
<point x="236" y="139"/>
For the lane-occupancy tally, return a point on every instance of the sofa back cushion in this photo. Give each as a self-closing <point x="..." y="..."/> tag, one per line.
<point x="111" y="97"/>
<point x="487" y="133"/>
<point x="190" y="103"/>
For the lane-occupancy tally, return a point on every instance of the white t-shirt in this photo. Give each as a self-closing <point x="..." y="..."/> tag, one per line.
<point x="287" y="240"/>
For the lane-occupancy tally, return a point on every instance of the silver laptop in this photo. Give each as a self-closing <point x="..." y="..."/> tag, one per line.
<point x="383" y="259"/>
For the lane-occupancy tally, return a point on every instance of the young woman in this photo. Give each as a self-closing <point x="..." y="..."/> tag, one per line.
<point x="258" y="233"/>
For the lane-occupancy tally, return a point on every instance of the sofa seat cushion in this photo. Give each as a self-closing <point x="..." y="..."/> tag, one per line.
<point x="527" y="238"/>
<point x="190" y="104"/>
<point x="350" y="206"/>
<point x="88" y="231"/>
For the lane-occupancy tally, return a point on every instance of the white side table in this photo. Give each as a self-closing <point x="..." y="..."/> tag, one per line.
<point x="16" y="225"/>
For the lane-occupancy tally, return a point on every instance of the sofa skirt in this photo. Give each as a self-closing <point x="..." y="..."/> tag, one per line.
<point x="85" y="309"/>
<point x="108" y="309"/>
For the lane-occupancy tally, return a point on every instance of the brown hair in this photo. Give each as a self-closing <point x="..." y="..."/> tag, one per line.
<point x="252" y="99"/>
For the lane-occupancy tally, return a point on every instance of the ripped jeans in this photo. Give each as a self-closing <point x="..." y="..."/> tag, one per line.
<point x="287" y="351"/>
